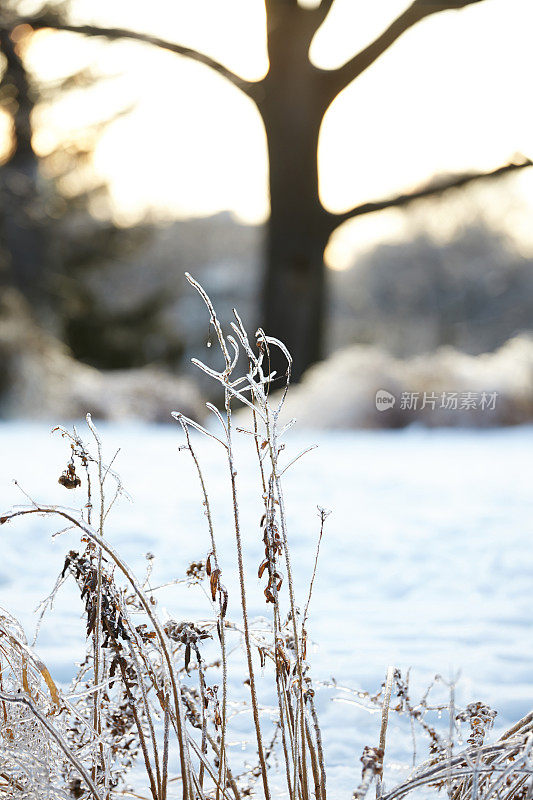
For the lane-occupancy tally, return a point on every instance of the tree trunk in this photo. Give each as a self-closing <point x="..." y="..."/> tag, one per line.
<point x="295" y="100"/>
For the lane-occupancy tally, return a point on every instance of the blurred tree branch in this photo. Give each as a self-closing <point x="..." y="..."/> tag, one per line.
<point x="54" y="22"/>
<point x="417" y="11"/>
<point x="432" y="189"/>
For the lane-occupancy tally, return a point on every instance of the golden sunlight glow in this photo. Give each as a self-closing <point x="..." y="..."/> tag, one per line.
<point x="451" y="94"/>
<point x="6" y="127"/>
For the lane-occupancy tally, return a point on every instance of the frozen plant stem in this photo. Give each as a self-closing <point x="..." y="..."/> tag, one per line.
<point x="96" y="637"/>
<point x="384" y="723"/>
<point x="222" y="603"/>
<point x="292" y="694"/>
<point x="271" y="430"/>
<point x="228" y="391"/>
<point x="323" y="514"/>
<point x="253" y="693"/>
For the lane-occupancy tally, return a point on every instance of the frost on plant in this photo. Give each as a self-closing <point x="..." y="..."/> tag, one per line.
<point x="149" y="713"/>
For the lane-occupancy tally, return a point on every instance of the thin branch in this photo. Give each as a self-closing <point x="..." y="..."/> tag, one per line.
<point x="114" y="34"/>
<point x="181" y="418"/>
<point x="297" y="458"/>
<point x="417" y="11"/>
<point x="323" y="514"/>
<point x="384" y="723"/>
<point x="431" y="189"/>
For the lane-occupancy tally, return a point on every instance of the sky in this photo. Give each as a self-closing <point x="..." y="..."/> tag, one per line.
<point x="451" y="94"/>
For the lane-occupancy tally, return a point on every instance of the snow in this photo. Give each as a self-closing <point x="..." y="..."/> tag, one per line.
<point x="426" y="560"/>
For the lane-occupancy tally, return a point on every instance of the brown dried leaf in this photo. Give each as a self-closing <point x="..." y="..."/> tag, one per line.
<point x="215" y="575"/>
<point x="262" y="568"/>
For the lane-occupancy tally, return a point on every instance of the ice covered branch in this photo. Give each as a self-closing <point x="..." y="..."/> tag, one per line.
<point x="54" y="734"/>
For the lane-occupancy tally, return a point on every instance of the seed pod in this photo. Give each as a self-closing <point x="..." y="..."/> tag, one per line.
<point x="215" y="575"/>
<point x="269" y="596"/>
<point x="224" y="605"/>
<point x="262" y="568"/>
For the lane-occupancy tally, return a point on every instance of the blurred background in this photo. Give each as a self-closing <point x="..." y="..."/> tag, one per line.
<point x="278" y="151"/>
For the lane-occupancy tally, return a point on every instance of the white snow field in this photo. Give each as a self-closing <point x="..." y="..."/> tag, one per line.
<point x="426" y="562"/>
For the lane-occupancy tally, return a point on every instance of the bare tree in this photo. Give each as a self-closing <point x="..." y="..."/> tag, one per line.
<point x="292" y="99"/>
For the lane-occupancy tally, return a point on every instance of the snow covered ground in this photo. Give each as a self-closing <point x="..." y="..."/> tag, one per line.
<point x="426" y="561"/>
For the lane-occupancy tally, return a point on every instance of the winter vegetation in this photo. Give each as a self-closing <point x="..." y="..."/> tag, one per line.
<point x="150" y="713"/>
